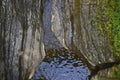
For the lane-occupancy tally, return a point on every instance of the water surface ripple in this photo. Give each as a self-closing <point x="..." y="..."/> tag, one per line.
<point x="62" y="66"/>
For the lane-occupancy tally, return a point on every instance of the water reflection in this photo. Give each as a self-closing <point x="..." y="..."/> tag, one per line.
<point x="61" y="65"/>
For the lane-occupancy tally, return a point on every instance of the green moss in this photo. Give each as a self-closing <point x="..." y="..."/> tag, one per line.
<point x="113" y="11"/>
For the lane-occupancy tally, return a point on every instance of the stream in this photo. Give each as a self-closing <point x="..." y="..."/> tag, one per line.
<point x="62" y="65"/>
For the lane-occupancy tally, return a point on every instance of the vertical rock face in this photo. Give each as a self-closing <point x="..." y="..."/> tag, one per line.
<point x="65" y="23"/>
<point x="76" y="25"/>
<point x="21" y="38"/>
<point x="87" y="39"/>
<point x="71" y="24"/>
<point x="53" y="26"/>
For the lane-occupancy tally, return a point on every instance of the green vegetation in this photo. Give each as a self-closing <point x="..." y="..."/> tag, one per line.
<point x="116" y="23"/>
<point x="113" y="12"/>
<point x="108" y="24"/>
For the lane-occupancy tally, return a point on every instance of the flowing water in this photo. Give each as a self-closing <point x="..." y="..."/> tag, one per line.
<point x="62" y="65"/>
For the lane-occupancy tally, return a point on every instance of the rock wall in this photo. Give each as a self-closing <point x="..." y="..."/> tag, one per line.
<point x="27" y="25"/>
<point x="21" y="38"/>
<point x="72" y="25"/>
